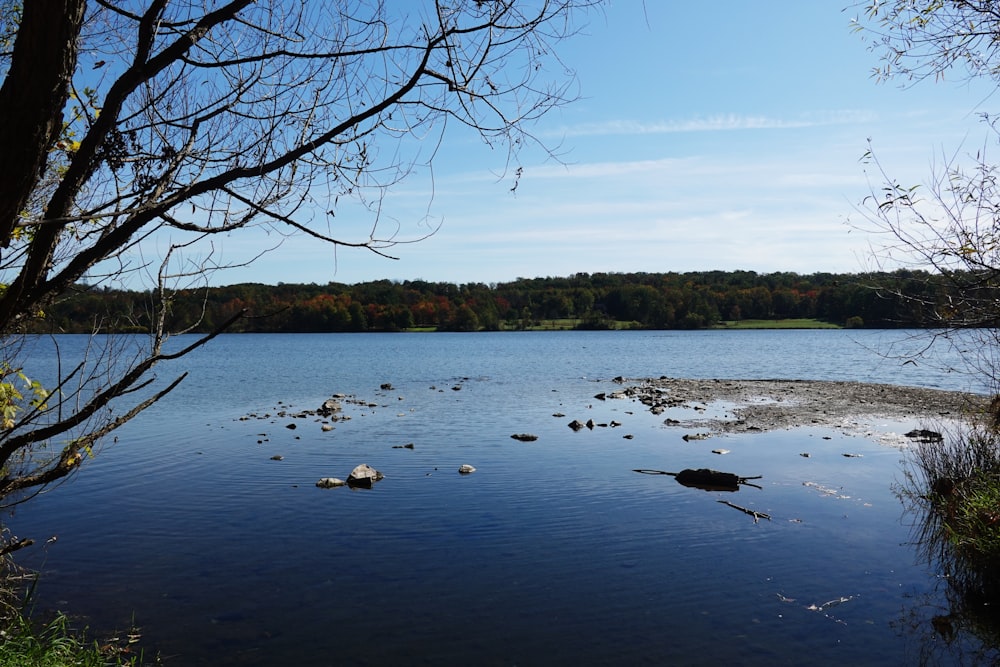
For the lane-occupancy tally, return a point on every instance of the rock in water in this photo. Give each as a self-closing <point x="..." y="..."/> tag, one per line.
<point x="465" y="469"/>
<point x="329" y="407"/>
<point x="364" y="476"/>
<point x="330" y="482"/>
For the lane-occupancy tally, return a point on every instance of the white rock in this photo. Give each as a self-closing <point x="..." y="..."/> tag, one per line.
<point x="365" y="471"/>
<point x="330" y="482"/>
<point x="364" y="475"/>
<point x="465" y="469"/>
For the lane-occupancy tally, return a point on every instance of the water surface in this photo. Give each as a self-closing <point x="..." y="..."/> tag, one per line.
<point x="553" y="552"/>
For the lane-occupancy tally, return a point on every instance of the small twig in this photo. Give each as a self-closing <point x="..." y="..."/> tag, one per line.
<point x="756" y="515"/>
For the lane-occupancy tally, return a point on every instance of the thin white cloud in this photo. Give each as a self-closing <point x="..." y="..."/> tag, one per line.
<point x="716" y="123"/>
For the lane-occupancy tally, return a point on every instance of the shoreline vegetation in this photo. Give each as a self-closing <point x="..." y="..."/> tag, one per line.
<point x="58" y="642"/>
<point x="600" y="301"/>
<point x="570" y="324"/>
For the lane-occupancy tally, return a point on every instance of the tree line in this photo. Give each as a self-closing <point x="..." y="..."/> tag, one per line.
<point x="690" y="300"/>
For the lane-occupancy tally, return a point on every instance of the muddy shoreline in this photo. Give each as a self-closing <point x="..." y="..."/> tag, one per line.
<point x="747" y="406"/>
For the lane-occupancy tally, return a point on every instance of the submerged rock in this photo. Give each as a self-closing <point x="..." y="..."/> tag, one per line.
<point x="925" y="436"/>
<point x="525" y="437"/>
<point x="330" y="482"/>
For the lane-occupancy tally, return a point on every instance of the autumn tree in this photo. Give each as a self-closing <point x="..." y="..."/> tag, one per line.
<point x="134" y="133"/>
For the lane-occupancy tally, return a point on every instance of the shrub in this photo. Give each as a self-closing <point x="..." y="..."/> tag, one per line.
<point x="954" y="484"/>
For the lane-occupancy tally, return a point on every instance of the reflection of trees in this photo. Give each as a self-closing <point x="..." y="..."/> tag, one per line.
<point x="959" y="623"/>
<point x="950" y="628"/>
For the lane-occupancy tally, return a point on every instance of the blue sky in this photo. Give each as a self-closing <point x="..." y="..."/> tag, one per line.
<point x="723" y="139"/>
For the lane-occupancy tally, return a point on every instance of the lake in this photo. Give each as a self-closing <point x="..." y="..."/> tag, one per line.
<point x="553" y="552"/>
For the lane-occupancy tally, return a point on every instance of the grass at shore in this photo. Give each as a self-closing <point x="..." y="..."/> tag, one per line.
<point x="56" y="644"/>
<point x="801" y="323"/>
<point x="955" y="481"/>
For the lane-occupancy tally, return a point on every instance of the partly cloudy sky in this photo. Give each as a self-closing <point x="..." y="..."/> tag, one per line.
<point x="728" y="138"/>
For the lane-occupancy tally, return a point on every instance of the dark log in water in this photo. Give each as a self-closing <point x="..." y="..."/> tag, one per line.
<point x="705" y="478"/>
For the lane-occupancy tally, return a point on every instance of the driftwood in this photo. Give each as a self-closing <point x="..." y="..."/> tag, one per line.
<point x="756" y="515"/>
<point x="705" y="478"/>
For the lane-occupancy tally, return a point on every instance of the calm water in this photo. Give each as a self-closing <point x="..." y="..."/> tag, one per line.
<point x="553" y="552"/>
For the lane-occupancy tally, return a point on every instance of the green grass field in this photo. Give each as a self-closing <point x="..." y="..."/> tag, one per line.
<point x="803" y="323"/>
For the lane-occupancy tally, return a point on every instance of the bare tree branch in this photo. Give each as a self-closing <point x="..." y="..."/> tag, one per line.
<point x="123" y="122"/>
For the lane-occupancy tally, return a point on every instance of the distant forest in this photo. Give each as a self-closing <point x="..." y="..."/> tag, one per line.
<point x="586" y="301"/>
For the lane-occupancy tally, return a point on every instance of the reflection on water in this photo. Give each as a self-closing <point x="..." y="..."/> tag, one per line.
<point x="946" y="628"/>
<point x="962" y="617"/>
<point x="553" y="552"/>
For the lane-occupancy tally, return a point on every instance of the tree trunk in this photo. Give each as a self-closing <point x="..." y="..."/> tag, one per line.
<point x="32" y="99"/>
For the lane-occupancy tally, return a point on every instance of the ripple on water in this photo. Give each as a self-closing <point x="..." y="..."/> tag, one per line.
<point x="554" y="551"/>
